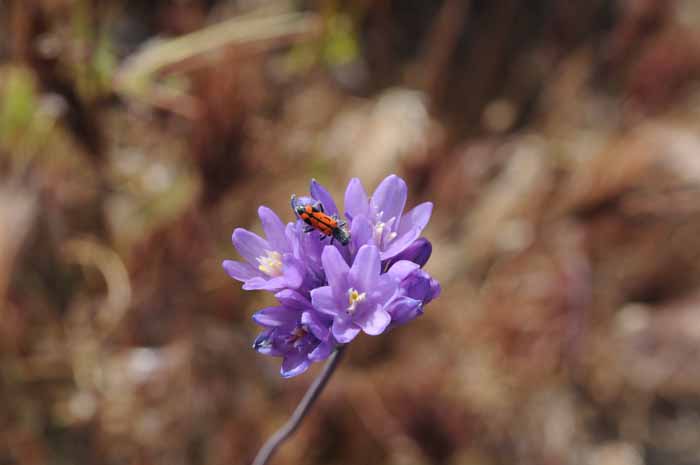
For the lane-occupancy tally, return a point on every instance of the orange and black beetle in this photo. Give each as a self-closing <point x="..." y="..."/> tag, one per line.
<point x="313" y="215"/>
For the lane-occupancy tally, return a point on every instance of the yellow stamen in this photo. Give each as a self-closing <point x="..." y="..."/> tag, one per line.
<point x="271" y="264"/>
<point x="354" y="298"/>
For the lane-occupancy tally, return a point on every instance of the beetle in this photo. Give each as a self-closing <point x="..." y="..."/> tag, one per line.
<point x="312" y="213"/>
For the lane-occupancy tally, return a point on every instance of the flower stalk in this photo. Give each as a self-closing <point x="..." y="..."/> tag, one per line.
<point x="314" y="391"/>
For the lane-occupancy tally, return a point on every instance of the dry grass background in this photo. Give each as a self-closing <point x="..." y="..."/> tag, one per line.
<point x="560" y="142"/>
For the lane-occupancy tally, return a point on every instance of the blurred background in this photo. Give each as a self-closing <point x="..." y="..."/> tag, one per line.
<point x="559" y="141"/>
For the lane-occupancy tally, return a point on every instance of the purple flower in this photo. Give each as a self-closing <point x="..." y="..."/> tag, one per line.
<point x="416" y="289"/>
<point x="390" y="229"/>
<point x="270" y="264"/>
<point x="329" y="293"/>
<point x="295" y="332"/>
<point x="356" y="296"/>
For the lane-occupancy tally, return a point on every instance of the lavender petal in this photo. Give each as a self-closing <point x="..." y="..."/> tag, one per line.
<point x="383" y="289"/>
<point x="265" y="284"/>
<point x="375" y="322"/>
<point x="322" y="351"/>
<point x="292" y="299"/>
<point x="318" y="325"/>
<point x="344" y="330"/>
<point x="322" y="195"/>
<point x="239" y="271"/>
<point x="249" y="245"/>
<point x="323" y="300"/>
<point x="389" y="199"/>
<point x="293" y="271"/>
<point x="274" y="229"/>
<point x="418" y="252"/>
<point x="404" y="309"/>
<point x="263" y="343"/>
<point x="356" y="200"/>
<point x="336" y="270"/>
<point x="401" y="269"/>
<point x="416" y="218"/>
<point x="294" y="364"/>
<point x="360" y="233"/>
<point x="366" y="268"/>
<point x="400" y="243"/>
<point x="272" y="317"/>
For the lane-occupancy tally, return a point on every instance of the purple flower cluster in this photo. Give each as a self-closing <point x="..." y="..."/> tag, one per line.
<point x="328" y="292"/>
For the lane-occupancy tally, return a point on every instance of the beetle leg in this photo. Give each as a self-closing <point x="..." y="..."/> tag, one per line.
<point x="340" y="222"/>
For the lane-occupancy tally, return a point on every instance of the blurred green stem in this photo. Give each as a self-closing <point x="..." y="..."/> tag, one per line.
<point x="282" y="434"/>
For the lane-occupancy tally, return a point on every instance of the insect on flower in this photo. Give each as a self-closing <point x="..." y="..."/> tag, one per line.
<point x="328" y="295"/>
<point x="311" y="212"/>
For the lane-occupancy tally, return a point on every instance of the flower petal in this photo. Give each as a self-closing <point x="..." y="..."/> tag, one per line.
<point x="375" y="322"/>
<point x="365" y="269"/>
<point x="317" y="324"/>
<point x="400" y="244"/>
<point x="404" y="309"/>
<point x="290" y="233"/>
<point x="418" y="252"/>
<point x="265" y="284"/>
<point x="356" y="201"/>
<point x="323" y="300"/>
<point x="272" y="317"/>
<point x="294" y="364"/>
<point x="360" y="232"/>
<point x="336" y="270"/>
<point x="418" y="286"/>
<point x="322" y="351"/>
<point x="308" y="249"/>
<point x="410" y="227"/>
<point x="274" y="229"/>
<point x="239" y="271"/>
<point x="382" y="290"/>
<point x="416" y="218"/>
<point x="293" y="271"/>
<point x="263" y="343"/>
<point x="401" y="269"/>
<point x="249" y="245"/>
<point x="389" y="198"/>
<point x="292" y="299"/>
<point x="344" y="330"/>
<point x="322" y="195"/>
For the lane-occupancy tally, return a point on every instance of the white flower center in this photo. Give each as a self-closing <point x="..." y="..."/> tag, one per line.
<point x="383" y="233"/>
<point x="271" y="264"/>
<point x="354" y="298"/>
